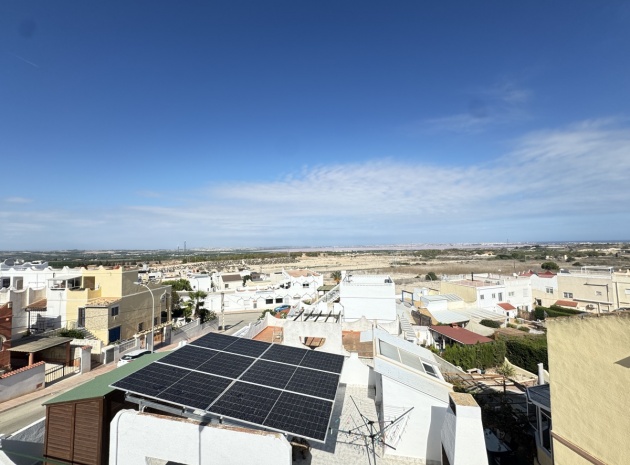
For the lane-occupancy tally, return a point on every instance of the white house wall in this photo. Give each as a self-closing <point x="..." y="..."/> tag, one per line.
<point x="374" y="300"/>
<point x="137" y="437"/>
<point x="422" y="429"/>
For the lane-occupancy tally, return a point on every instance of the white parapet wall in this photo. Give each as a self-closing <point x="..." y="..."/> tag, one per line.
<point x="19" y="382"/>
<point x="140" y="438"/>
<point x="462" y="435"/>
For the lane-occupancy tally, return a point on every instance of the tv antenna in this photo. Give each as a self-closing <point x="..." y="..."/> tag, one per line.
<point x="370" y="431"/>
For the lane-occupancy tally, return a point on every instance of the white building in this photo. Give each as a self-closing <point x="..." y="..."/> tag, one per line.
<point x="369" y="296"/>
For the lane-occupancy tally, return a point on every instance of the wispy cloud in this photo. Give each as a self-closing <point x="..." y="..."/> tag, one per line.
<point x="575" y="177"/>
<point x="18" y="200"/>
<point x="505" y="102"/>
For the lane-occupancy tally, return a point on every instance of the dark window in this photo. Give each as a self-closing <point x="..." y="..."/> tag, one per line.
<point x="114" y="311"/>
<point x="6" y="282"/>
<point x="268" y="301"/>
<point x="279" y="300"/>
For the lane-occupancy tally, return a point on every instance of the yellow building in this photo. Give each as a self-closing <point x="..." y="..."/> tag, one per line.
<point x="589" y="363"/>
<point x="113" y="307"/>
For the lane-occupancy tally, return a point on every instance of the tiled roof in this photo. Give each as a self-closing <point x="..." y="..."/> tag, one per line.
<point x="228" y="278"/>
<point x="546" y="274"/>
<point x="302" y="273"/>
<point x="461" y="335"/>
<point x="506" y="306"/>
<point x="567" y="303"/>
<point x="102" y="301"/>
<point x="38" y="305"/>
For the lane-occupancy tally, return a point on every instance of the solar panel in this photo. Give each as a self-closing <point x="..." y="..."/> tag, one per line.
<point x="246" y="402"/>
<point x="214" y="341"/>
<point x="287" y="389"/>
<point x="323" y="361"/>
<point x="314" y="383"/>
<point x="228" y="365"/>
<point x="152" y="379"/>
<point x="285" y="354"/>
<point x="247" y="347"/>
<point x="300" y="415"/>
<point x="189" y="357"/>
<point x="269" y="374"/>
<point x="199" y="390"/>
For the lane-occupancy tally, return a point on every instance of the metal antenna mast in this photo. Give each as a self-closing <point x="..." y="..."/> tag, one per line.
<point x="374" y="432"/>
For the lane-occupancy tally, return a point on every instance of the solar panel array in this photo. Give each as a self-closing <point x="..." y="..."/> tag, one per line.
<point x="282" y="388"/>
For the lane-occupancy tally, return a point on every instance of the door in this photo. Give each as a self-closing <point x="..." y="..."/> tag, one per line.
<point x="81" y="320"/>
<point x="114" y="334"/>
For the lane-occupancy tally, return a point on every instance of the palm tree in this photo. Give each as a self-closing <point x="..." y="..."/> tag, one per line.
<point x="198" y="298"/>
<point x="336" y="275"/>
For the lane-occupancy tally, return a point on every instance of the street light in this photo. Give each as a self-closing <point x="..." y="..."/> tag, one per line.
<point x="152" y="312"/>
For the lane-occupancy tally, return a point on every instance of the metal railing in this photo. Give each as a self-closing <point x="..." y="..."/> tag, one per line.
<point x="61" y="371"/>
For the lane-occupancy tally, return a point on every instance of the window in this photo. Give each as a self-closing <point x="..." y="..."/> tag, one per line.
<point x="6" y="282"/>
<point x="494" y="296"/>
<point x="227" y="286"/>
<point x="500" y="295"/>
<point x="545" y="431"/>
<point x="549" y="290"/>
<point x="268" y="301"/>
<point x="598" y="292"/>
<point x="140" y="327"/>
<point x="568" y="295"/>
<point x="511" y="294"/>
<point x="114" y="311"/>
<point x="306" y="285"/>
<point x="279" y="300"/>
<point x="481" y="297"/>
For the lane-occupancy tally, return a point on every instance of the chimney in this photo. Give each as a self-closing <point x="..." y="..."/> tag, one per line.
<point x="541" y="374"/>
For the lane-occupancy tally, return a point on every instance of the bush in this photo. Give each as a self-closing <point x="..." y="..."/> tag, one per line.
<point x="75" y="333"/>
<point x="490" y="323"/>
<point x="431" y="276"/>
<point x="523" y="328"/>
<point x="577" y="264"/>
<point x="527" y="352"/>
<point x="554" y="311"/>
<point x="550" y="266"/>
<point x="482" y="356"/>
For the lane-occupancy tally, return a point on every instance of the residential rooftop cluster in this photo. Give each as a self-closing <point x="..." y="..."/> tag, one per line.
<point x="352" y="371"/>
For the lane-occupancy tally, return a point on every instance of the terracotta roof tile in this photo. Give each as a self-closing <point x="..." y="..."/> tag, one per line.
<point x="567" y="303"/>
<point x="506" y="306"/>
<point x="461" y="335"/>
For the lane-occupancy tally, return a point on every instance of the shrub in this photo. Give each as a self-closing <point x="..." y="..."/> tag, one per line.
<point x="577" y="264"/>
<point x="75" y="333"/>
<point x="481" y="356"/>
<point x="431" y="276"/>
<point x="527" y="352"/>
<point x="490" y="323"/>
<point x="550" y="266"/>
<point x="523" y="328"/>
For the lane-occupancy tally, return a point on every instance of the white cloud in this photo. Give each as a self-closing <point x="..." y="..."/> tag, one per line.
<point x="576" y="175"/>
<point x="18" y="200"/>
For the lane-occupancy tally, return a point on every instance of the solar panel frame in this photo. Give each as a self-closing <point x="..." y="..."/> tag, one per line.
<point x="282" y="388"/>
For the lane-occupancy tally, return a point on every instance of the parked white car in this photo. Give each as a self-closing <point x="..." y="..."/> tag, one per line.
<point x="131" y="356"/>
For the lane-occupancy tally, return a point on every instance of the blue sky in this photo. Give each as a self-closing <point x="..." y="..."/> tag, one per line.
<point x="290" y="123"/>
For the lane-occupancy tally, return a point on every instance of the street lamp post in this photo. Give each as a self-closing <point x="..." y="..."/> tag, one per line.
<point x="152" y="313"/>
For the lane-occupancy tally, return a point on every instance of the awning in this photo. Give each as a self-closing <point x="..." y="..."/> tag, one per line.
<point x="37" y="306"/>
<point x="33" y="345"/>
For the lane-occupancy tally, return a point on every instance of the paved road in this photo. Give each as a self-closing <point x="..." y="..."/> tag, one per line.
<point x="17" y="418"/>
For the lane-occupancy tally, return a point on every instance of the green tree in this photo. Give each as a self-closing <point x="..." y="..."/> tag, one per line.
<point x="336" y="276"/>
<point x="197" y="298"/>
<point x="431" y="276"/>
<point x="178" y="284"/>
<point x="246" y="278"/>
<point x="551" y="266"/>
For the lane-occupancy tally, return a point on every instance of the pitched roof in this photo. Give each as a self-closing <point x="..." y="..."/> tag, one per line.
<point x="461" y="335"/>
<point x="546" y="274"/>
<point x="302" y="273"/>
<point x="506" y="306"/>
<point x="228" y="278"/>
<point x="567" y="303"/>
<point x="99" y="386"/>
<point x="37" y="306"/>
